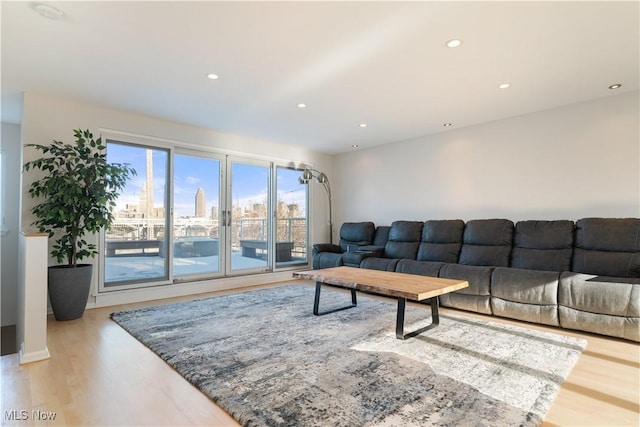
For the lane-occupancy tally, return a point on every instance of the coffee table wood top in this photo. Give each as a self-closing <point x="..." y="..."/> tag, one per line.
<point x="401" y="285"/>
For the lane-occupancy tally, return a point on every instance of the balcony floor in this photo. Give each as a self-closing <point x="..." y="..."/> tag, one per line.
<point x="131" y="268"/>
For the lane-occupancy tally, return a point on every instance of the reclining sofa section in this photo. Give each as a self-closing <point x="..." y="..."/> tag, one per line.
<point x="583" y="276"/>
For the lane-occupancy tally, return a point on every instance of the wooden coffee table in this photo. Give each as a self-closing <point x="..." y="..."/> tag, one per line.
<point x="399" y="285"/>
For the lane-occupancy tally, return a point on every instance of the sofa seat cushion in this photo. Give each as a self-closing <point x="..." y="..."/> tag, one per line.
<point x="600" y="304"/>
<point x="355" y="255"/>
<point x="384" y="264"/>
<point x="474" y="298"/>
<point x="604" y="324"/>
<point x="422" y="268"/>
<point x="327" y="260"/>
<point x="542" y="314"/>
<point x="613" y="296"/>
<point x="526" y="286"/>
<point x="353" y="259"/>
<point x="528" y="295"/>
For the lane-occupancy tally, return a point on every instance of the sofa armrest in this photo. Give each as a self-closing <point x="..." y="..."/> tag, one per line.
<point x="370" y="250"/>
<point x="326" y="247"/>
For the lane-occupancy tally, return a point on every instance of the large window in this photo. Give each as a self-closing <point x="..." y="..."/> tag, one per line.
<point x="3" y="229"/>
<point x="291" y="218"/>
<point x="248" y="219"/>
<point x="190" y="215"/>
<point x="136" y="243"/>
<point x="196" y="215"/>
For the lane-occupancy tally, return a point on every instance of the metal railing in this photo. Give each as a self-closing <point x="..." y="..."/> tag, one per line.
<point x="288" y="230"/>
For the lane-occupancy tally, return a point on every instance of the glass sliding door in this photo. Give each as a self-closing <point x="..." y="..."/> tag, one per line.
<point x="247" y="220"/>
<point x="291" y="218"/>
<point x="191" y="215"/>
<point x="197" y="212"/>
<point x="135" y="243"/>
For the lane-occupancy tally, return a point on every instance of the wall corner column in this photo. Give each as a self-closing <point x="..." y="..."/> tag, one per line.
<point x="32" y="297"/>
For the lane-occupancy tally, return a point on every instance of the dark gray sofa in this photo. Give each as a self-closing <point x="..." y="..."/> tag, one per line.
<point x="583" y="275"/>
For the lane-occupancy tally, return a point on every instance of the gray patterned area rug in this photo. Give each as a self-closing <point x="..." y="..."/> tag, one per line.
<point x="264" y="358"/>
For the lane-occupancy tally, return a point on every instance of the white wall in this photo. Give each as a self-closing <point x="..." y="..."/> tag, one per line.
<point x="567" y="163"/>
<point x="46" y="118"/>
<point x="9" y="250"/>
<point x="570" y="162"/>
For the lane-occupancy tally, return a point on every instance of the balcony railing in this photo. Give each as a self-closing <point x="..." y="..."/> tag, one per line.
<point x="288" y="230"/>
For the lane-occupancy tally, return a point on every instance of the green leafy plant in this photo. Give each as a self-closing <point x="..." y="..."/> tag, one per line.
<point x="79" y="190"/>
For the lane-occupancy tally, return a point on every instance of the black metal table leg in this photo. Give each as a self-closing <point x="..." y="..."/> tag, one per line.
<point x="316" y="302"/>
<point x="402" y="302"/>
<point x="435" y="314"/>
<point x="435" y="319"/>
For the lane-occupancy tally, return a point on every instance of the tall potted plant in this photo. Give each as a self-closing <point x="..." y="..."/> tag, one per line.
<point x="78" y="192"/>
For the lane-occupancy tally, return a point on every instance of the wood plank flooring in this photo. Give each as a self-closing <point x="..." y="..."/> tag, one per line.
<point x="99" y="375"/>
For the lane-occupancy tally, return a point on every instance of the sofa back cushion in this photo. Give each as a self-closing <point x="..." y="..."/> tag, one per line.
<point x="607" y="247"/>
<point x="543" y="245"/>
<point x="357" y="234"/>
<point x="487" y="242"/>
<point x="441" y="240"/>
<point x="404" y="240"/>
<point x="382" y="235"/>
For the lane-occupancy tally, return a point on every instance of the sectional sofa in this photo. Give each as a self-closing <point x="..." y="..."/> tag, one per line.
<point x="583" y="275"/>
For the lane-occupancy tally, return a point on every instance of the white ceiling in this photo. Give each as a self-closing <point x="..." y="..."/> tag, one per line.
<point x="380" y="63"/>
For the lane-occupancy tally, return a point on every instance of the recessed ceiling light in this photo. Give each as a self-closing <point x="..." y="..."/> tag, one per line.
<point x="354" y="146"/>
<point x="615" y="86"/>
<point x="301" y="105"/>
<point x="504" y="86"/>
<point x="453" y="43"/>
<point x="447" y="125"/>
<point x="48" y="11"/>
<point x="363" y="125"/>
<point x="212" y="76"/>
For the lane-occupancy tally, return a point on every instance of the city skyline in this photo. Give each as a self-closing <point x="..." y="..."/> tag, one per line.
<point x="249" y="182"/>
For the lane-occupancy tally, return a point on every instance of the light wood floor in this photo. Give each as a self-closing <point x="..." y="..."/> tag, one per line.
<point x="99" y="375"/>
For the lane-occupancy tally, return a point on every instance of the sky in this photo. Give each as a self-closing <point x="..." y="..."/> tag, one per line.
<point x="249" y="182"/>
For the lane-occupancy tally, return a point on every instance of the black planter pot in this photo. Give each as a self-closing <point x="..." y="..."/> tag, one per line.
<point x="69" y="290"/>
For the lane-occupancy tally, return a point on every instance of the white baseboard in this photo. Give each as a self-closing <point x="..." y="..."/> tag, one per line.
<point x="33" y="356"/>
<point x="111" y="298"/>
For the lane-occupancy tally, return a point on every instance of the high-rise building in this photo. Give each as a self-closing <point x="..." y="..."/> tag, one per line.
<point x="142" y="206"/>
<point x="201" y="204"/>
<point x="148" y="211"/>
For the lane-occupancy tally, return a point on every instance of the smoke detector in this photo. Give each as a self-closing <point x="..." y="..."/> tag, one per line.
<point x="48" y="11"/>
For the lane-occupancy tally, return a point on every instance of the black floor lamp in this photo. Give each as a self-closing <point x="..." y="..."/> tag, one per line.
<point x="307" y="175"/>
